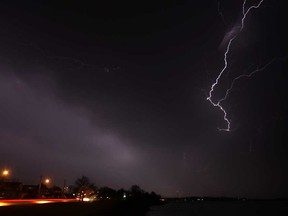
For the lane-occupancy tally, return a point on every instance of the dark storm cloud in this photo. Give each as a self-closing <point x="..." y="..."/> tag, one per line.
<point x="119" y="95"/>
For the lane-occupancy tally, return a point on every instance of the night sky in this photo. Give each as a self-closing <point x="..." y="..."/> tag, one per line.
<point x="117" y="91"/>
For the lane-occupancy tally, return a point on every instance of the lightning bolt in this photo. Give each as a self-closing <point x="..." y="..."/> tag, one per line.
<point x="244" y="76"/>
<point x="209" y="98"/>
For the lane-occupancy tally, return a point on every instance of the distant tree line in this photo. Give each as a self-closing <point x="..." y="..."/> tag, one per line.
<point x="83" y="189"/>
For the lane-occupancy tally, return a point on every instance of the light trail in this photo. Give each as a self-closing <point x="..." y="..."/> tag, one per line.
<point x="209" y="98"/>
<point x="10" y="202"/>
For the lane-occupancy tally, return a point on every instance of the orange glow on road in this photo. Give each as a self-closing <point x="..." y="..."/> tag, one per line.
<point x="4" y="204"/>
<point x="32" y="201"/>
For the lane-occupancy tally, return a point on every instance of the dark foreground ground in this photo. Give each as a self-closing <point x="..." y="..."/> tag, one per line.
<point x="107" y="208"/>
<point x="205" y="208"/>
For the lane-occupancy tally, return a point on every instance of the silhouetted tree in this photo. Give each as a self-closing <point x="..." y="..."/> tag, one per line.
<point x="139" y="195"/>
<point x="136" y="190"/>
<point x="106" y="193"/>
<point x="122" y="194"/>
<point x="83" y="187"/>
<point x="84" y="181"/>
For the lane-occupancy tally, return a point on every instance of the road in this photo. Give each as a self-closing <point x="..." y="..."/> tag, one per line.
<point x="32" y="201"/>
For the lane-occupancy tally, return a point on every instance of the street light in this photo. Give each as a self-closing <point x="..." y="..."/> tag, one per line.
<point x="5" y="172"/>
<point x="4" y="175"/>
<point x="47" y="181"/>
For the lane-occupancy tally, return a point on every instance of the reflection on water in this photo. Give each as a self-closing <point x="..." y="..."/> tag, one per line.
<point x="222" y="208"/>
<point x="172" y="209"/>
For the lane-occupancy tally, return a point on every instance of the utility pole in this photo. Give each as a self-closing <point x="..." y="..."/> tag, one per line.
<point x="39" y="189"/>
<point x="63" y="190"/>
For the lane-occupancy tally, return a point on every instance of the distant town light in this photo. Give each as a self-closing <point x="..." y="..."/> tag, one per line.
<point x="86" y="199"/>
